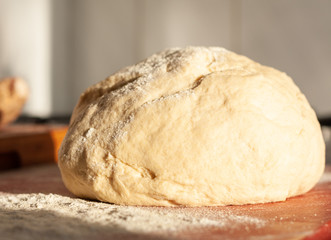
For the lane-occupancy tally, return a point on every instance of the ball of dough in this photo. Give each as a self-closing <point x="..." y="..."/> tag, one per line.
<point x="194" y="126"/>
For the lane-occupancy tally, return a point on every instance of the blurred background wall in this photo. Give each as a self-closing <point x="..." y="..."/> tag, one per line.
<point x="63" y="46"/>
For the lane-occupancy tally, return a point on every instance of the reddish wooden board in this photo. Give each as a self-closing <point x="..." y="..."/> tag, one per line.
<point x="303" y="217"/>
<point x="27" y="144"/>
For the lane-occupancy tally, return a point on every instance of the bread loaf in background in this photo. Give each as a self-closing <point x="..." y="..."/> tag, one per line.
<point x="13" y="94"/>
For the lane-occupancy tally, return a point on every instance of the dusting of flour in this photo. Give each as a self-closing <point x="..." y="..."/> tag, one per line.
<point x="52" y="216"/>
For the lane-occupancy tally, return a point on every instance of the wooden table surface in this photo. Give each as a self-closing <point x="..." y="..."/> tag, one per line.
<point x="303" y="217"/>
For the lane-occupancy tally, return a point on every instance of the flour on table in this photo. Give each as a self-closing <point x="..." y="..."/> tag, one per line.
<point x="30" y="216"/>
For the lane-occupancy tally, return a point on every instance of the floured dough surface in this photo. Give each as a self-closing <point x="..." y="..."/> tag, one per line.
<point x="194" y="126"/>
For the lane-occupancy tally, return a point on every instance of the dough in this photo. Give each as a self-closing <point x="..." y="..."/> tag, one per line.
<point x="194" y="126"/>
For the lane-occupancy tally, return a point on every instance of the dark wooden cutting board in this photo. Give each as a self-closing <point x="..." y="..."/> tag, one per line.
<point x="27" y="144"/>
